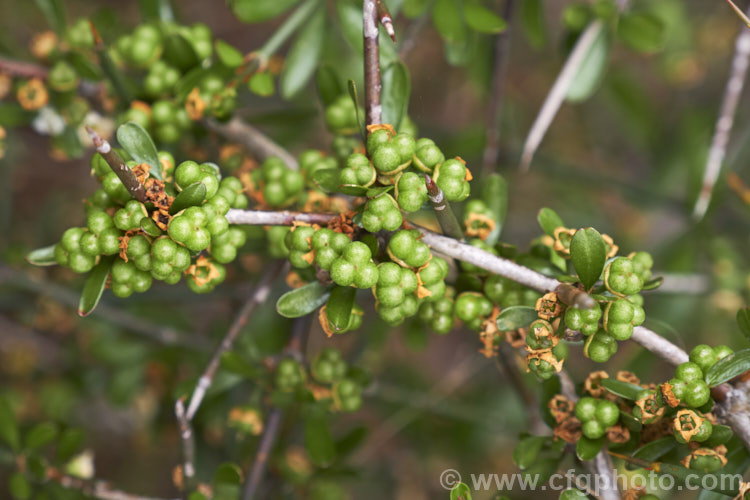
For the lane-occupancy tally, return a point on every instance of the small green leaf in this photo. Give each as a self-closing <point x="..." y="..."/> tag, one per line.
<point x="573" y="494"/>
<point x="495" y="196"/>
<point x="532" y="20"/>
<point x="304" y="55"/>
<point x="149" y="227"/>
<point x="632" y="423"/>
<point x="591" y="72"/>
<point x="729" y="367"/>
<point x="70" y="442"/>
<point x="94" y="286"/>
<point x="326" y="179"/>
<point x="656" y="449"/>
<point x="482" y="19"/>
<point x="262" y="84"/>
<point x="302" y="301"/>
<point x="9" y="433"/>
<point x="40" y="435"/>
<point x="318" y="442"/>
<point x="515" y="317"/>
<point x="135" y="140"/>
<point x="460" y="492"/>
<point x="549" y="221"/>
<point x="588" y="254"/>
<point x="54" y="13"/>
<point x="379" y="191"/>
<point x="84" y="66"/>
<point x="158" y="10"/>
<point x="233" y="362"/>
<point x="179" y="52"/>
<point x="191" y="196"/>
<point x="653" y="283"/>
<point x="228" y="55"/>
<point x="587" y="449"/>
<point x="352" y="190"/>
<point x="395" y="95"/>
<point x="351" y="441"/>
<point x="328" y="84"/>
<point x="743" y="320"/>
<point x="720" y="434"/>
<point x="228" y="473"/>
<point x="527" y="450"/>
<point x="622" y="389"/>
<point x="256" y="11"/>
<point x="448" y="20"/>
<point x="19" y="486"/>
<point x="339" y="307"/>
<point x="641" y="31"/>
<point x="352" y="88"/>
<point x="191" y="80"/>
<point x="44" y="256"/>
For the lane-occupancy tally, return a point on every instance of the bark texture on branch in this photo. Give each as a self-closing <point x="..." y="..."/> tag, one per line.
<point x="373" y="108"/>
<point x="254" y="140"/>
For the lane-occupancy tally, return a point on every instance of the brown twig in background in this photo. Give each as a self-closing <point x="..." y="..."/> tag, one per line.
<point x="506" y="363"/>
<point x="188" y="448"/>
<point x="273" y="423"/>
<point x="725" y="121"/>
<point x="254" y="140"/>
<point x="385" y="18"/>
<point x="94" y="488"/>
<point x="22" y="69"/>
<point x="257" y="297"/>
<point x="118" y="166"/>
<point x="373" y="108"/>
<point x="443" y="211"/>
<point x="499" y="76"/>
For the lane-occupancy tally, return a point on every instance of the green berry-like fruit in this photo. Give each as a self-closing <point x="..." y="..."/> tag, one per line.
<point x="704" y="356"/>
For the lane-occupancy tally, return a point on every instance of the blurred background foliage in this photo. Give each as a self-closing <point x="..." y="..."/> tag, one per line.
<point x="628" y="160"/>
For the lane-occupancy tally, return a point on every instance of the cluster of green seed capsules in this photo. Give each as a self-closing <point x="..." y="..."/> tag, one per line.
<point x="181" y="230"/>
<point x="329" y="378"/>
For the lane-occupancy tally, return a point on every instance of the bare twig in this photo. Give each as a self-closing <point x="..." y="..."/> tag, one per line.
<point x="262" y="218"/>
<point x="118" y="166"/>
<point x="558" y="92"/>
<point x="188" y="447"/>
<point x="659" y="345"/>
<point x="385" y="18"/>
<point x="739" y="13"/>
<point x="253" y="139"/>
<point x="373" y="109"/>
<point x="725" y="121"/>
<point x="273" y="422"/>
<point x="257" y="297"/>
<point x="443" y="211"/>
<point x="92" y="488"/>
<point x="499" y="75"/>
<point x="22" y="69"/>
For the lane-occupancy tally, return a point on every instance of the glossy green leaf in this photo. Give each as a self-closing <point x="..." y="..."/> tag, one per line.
<point x="352" y="190"/>
<point x="641" y="31"/>
<point x="84" y="66"/>
<point x="653" y="283"/>
<point x="328" y="84"/>
<point x="327" y="179"/>
<point x="573" y="494"/>
<point x="94" y="286"/>
<point x="70" y="442"/>
<point x="256" y="11"/>
<point x="448" y="20"/>
<point x="228" y="55"/>
<point x="9" y="433"/>
<point x="588" y="253"/>
<point x="379" y="191"/>
<point x="262" y="84"/>
<point x="19" y="487"/>
<point x="156" y="10"/>
<point x="729" y="367"/>
<point x="352" y="88"/>
<point x="135" y="140"/>
<point x="234" y="362"/>
<point x="515" y="317"/>
<point x="743" y="321"/>
<point x="44" y="256"/>
<point x="632" y="423"/>
<point x="302" y="301"/>
<point x="591" y="72"/>
<point x="395" y="95"/>
<point x="191" y="196"/>
<point x="54" y="13"/>
<point x="622" y="389"/>
<point x="339" y="307"/>
<point x="532" y="20"/>
<point x="318" y="441"/>
<point x="149" y="227"/>
<point x="179" y="52"/>
<point x="587" y="449"/>
<point x="720" y="434"/>
<point x="304" y="55"/>
<point x="656" y="449"/>
<point x="191" y="80"/>
<point x="527" y="450"/>
<point x="549" y="220"/>
<point x="40" y="435"/>
<point x="483" y="20"/>
<point x="460" y="492"/>
<point x="228" y="473"/>
<point x="495" y="196"/>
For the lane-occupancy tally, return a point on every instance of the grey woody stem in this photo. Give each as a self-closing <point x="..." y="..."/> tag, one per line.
<point x="385" y="18"/>
<point x="188" y="448"/>
<point x="373" y="108"/>
<point x="118" y="166"/>
<point x="257" y="297"/>
<point x="443" y="211"/>
<point x="252" y="139"/>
